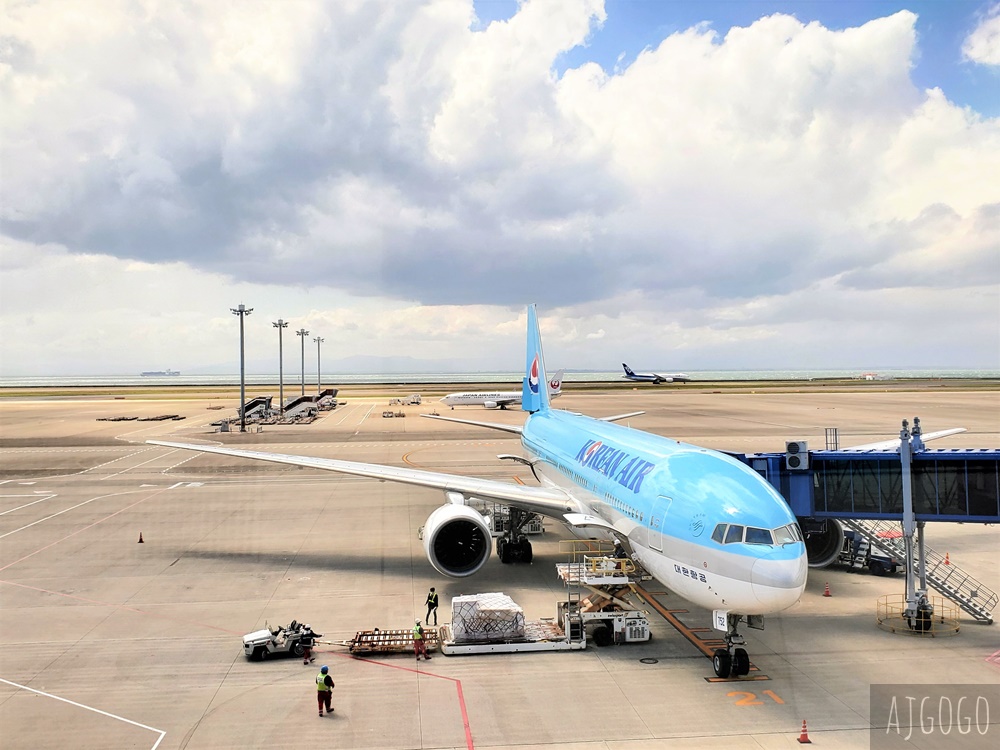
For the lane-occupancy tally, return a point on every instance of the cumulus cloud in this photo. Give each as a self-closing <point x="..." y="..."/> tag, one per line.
<point x="982" y="45"/>
<point x="436" y="173"/>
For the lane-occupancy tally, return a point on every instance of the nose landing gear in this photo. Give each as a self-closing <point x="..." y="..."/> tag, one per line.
<point x="733" y="660"/>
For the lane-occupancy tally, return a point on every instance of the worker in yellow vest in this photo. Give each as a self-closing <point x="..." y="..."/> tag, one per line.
<point x="420" y="642"/>
<point x="324" y="690"/>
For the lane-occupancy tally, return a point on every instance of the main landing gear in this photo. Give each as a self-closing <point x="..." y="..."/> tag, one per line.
<point x="513" y="545"/>
<point x="733" y="660"/>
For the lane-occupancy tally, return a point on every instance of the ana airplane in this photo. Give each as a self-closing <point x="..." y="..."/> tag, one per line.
<point x="702" y="523"/>
<point x="498" y="400"/>
<point x="652" y="377"/>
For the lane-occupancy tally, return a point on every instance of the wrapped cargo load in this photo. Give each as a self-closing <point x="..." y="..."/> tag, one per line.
<point x="486" y="617"/>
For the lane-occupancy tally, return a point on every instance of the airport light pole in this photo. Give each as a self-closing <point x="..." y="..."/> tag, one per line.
<point x="302" y="333"/>
<point x="319" y="377"/>
<point x="281" y="368"/>
<point x="242" y="312"/>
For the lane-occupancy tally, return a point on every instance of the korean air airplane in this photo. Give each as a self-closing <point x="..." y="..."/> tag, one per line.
<point x="498" y="399"/>
<point x="702" y="523"/>
<point x="652" y="377"/>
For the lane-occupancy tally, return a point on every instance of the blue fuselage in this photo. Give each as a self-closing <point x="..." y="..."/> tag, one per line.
<point x="669" y="498"/>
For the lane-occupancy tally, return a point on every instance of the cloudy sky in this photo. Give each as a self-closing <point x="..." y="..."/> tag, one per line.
<point x="680" y="185"/>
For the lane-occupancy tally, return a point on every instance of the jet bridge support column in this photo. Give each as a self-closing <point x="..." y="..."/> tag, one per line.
<point x="918" y="608"/>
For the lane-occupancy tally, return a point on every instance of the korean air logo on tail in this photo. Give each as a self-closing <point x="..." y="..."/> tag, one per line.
<point x="533" y="375"/>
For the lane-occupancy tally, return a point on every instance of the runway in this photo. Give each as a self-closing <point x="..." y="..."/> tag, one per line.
<point x="111" y="643"/>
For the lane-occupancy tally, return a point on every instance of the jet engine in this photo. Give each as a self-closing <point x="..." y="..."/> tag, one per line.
<point x="824" y="540"/>
<point x="457" y="540"/>
<point x="490" y="404"/>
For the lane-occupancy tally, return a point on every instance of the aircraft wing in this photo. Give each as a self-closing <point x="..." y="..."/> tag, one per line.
<point x="549" y="502"/>
<point x="891" y="445"/>
<point x="491" y="425"/>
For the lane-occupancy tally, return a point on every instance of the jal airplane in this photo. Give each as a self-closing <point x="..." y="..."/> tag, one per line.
<point x="703" y="524"/>
<point x="498" y="399"/>
<point x="652" y="377"/>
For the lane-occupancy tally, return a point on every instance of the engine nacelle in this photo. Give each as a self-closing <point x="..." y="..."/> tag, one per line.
<point x="457" y="540"/>
<point x="490" y="404"/>
<point x="824" y="540"/>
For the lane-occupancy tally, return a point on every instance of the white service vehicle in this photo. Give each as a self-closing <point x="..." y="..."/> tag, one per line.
<point x="281" y="641"/>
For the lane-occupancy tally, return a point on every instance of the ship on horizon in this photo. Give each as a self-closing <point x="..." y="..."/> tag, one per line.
<point x="160" y="373"/>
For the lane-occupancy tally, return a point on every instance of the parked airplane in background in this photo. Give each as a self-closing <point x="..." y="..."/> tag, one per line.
<point x="702" y="523"/>
<point x="501" y="399"/>
<point x="652" y="377"/>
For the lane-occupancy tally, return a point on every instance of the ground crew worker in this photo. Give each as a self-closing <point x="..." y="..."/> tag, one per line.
<point x="324" y="688"/>
<point x="432" y="606"/>
<point x="308" y="639"/>
<point x="419" y="642"/>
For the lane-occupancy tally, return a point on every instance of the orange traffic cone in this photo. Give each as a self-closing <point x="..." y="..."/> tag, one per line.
<point x="946" y="560"/>
<point x="826" y="591"/>
<point x="140" y="539"/>
<point x="804" y="736"/>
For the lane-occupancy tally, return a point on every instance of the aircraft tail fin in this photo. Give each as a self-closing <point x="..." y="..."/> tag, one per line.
<point x="534" y="396"/>
<point x="555" y="383"/>
<point x="628" y="370"/>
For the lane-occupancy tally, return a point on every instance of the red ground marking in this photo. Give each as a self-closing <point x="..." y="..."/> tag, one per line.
<point x="994" y="659"/>
<point x="458" y="683"/>
<point x="458" y="688"/>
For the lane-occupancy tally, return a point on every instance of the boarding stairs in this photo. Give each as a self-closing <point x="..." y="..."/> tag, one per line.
<point x="943" y="575"/>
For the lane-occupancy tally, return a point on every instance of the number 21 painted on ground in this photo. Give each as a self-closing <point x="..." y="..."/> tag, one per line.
<point x="750" y="699"/>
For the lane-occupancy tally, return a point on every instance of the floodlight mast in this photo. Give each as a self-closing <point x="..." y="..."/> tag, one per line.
<point x="319" y="387"/>
<point x="242" y="311"/>
<point x="302" y="333"/>
<point x="281" y="368"/>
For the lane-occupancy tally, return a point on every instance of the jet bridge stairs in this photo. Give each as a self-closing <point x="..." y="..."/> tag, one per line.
<point x="942" y="574"/>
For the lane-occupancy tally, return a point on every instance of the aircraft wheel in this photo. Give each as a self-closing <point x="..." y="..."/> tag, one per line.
<point x="741" y="663"/>
<point x="722" y="662"/>
<point x="504" y="551"/>
<point x="602" y="635"/>
<point x="526" y="552"/>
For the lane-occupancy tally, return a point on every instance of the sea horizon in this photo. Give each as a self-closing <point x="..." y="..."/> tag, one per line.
<point x="332" y="379"/>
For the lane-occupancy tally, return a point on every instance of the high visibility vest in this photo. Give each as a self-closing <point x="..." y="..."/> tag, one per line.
<point x="418" y="633"/>
<point x="321" y="683"/>
<point x="432" y="599"/>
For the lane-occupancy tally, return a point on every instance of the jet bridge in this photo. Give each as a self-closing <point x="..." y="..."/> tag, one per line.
<point x="867" y="489"/>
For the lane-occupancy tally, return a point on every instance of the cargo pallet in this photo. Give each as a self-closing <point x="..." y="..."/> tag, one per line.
<point x="387" y="641"/>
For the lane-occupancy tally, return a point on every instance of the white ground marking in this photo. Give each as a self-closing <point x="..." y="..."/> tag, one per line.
<point x="129" y="468"/>
<point x="47" y="497"/>
<point x="156" y="744"/>
<point x="66" y="510"/>
<point x="366" y="414"/>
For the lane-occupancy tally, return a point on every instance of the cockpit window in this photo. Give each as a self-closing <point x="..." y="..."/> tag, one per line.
<point x="734" y="534"/>
<point x="787" y="534"/>
<point x="758" y="536"/>
<point x="720" y="533"/>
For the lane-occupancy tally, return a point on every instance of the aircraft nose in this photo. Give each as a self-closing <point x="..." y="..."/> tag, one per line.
<point x="778" y="582"/>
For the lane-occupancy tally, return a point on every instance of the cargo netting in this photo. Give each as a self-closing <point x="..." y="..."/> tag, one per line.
<point x="486" y="617"/>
